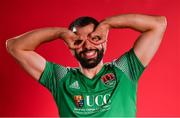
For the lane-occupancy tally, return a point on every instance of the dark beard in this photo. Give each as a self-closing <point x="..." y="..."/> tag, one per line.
<point x="89" y="63"/>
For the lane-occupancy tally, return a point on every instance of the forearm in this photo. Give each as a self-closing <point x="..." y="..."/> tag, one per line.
<point x="31" y="40"/>
<point x="22" y="48"/>
<point x="138" y="22"/>
<point x="152" y="29"/>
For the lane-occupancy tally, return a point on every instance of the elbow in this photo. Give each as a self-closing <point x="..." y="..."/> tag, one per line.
<point x="161" y="22"/>
<point x="8" y="43"/>
<point x="10" y="46"/>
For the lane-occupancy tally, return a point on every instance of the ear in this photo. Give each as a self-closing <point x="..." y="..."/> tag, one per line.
<point x="104" y="46"/>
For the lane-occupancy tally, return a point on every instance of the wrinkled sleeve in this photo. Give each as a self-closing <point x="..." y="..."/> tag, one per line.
<point x="130" y="65"/>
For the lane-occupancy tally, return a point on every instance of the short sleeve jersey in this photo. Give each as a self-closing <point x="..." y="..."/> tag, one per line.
<point x="111" y="93"/>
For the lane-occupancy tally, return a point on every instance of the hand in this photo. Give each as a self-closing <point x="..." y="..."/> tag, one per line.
<point x="100" y="34"/>
<point x="71" y="39"/>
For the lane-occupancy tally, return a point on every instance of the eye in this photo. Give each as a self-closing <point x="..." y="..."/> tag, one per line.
<point x="96" y="38"/>
<point x="77" y="42"/>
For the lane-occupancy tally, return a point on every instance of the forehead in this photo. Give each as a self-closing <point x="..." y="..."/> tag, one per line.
<point x="85" y="29"/>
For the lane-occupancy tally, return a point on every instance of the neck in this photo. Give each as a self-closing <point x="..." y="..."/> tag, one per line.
<point x="90" y="73"/>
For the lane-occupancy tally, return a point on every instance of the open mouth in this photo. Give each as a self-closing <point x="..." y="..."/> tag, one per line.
<point x="89" y="58"/>
<point x="90" y="54"/>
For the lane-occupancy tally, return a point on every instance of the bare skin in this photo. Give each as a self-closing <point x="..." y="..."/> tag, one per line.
<point x="22" y="47"/>
<point x="152" y="29"/>
<point x="85" y="35"/>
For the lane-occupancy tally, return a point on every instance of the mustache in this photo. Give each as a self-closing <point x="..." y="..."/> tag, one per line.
<point x="87" y="50"/>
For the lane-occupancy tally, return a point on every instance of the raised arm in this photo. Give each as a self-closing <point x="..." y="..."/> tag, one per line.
<point x="22" y="47"/>
<point x="152" y="29"/>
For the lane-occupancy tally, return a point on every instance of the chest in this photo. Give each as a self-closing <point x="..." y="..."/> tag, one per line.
<point x="104" y="93"/>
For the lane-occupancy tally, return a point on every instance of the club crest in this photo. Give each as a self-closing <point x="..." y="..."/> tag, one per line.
<point x="79" y="101"/>
<point x="108" y="79"/>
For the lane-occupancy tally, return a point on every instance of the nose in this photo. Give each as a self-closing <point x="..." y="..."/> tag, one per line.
<point x="87" y="44"/>
<point x="83" y="37"/>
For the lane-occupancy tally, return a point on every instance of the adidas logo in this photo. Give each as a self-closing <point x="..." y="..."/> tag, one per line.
<point x="75" y="85"/>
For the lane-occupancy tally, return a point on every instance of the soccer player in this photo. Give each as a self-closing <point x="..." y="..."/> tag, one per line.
<point x="93" y="88"/>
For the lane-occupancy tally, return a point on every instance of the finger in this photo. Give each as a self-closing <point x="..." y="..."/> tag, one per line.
<point x="98" y="42"/>
<point x="72" y="47"/>
<point x="94" y="34"/>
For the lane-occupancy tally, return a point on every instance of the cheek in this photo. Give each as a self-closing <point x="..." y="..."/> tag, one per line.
<point x="73" y="51"/>
<point x="104" y="46"/>
<point x="78" y="50"/>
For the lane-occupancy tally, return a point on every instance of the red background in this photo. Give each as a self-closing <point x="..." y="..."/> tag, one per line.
<point x="159" y="86"/>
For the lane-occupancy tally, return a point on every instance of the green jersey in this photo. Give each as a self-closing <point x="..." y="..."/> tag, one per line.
<point x="111" y="93"/>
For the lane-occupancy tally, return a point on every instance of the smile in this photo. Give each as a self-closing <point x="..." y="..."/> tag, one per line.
<point x="90" y="54"/>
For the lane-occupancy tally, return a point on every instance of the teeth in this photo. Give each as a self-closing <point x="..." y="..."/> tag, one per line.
<point x="90" y="53"/>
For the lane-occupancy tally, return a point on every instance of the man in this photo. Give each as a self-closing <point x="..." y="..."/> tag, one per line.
<point x="93" y="89"/>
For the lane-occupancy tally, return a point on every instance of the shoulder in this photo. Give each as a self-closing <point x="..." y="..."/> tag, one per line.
<point x="54" y="70"/>
<point x="129" y="64"/>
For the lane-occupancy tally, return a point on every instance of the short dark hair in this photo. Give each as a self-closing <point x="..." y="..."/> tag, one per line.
<point x="83" y="21"/>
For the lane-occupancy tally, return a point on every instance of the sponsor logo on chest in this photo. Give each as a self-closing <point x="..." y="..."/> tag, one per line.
<point x="97" y="100"/>
<point x="91" y="100"/>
